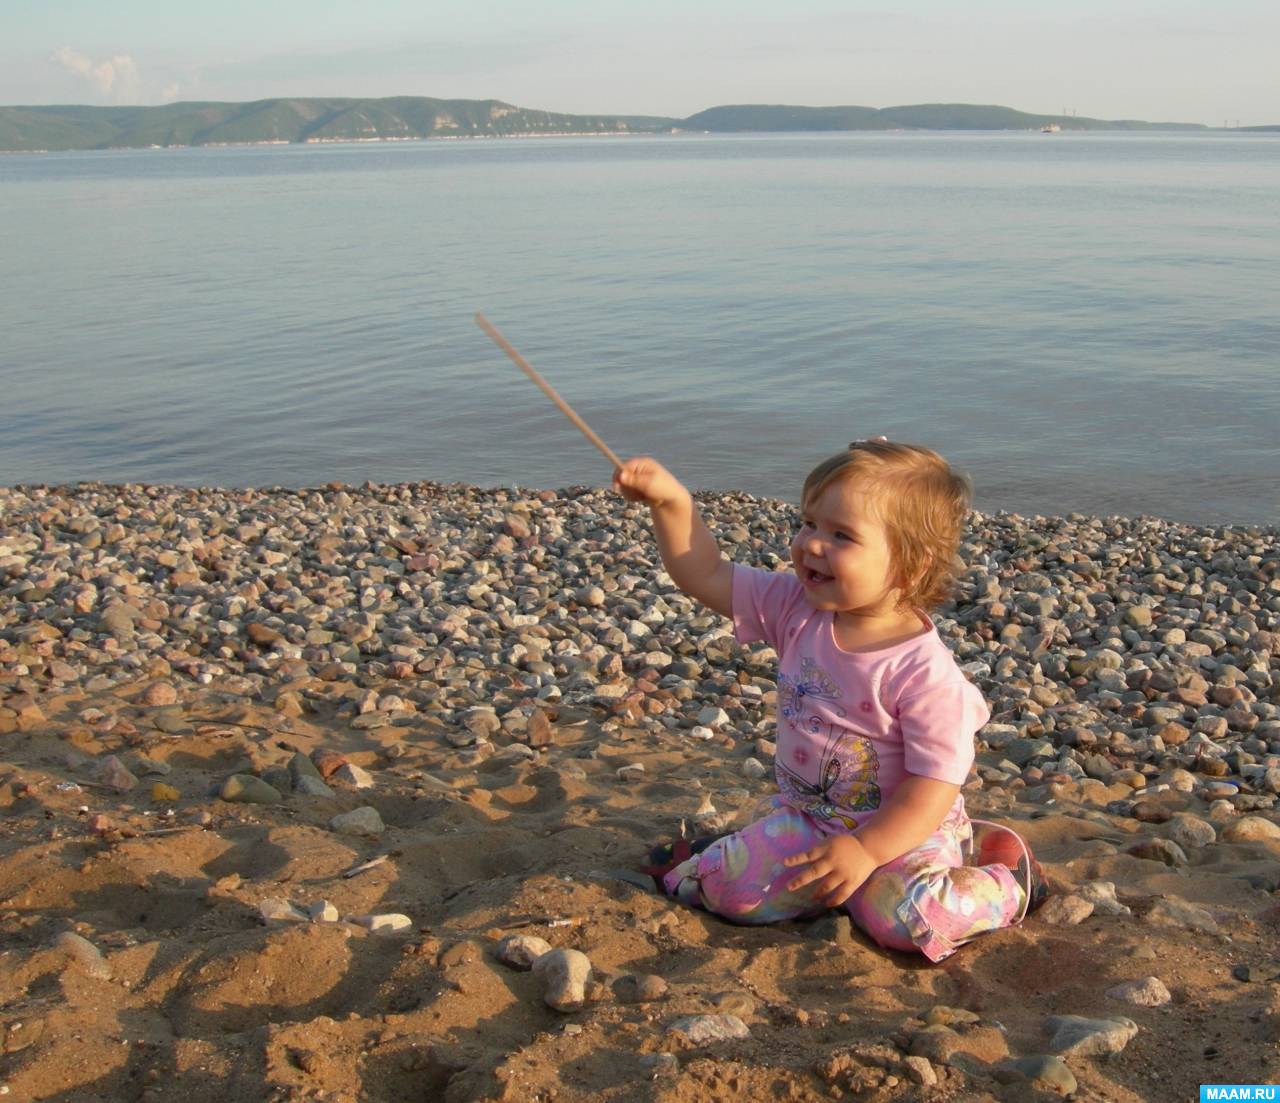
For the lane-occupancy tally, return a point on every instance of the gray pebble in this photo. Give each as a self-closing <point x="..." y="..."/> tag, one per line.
<point x="1175" y="912"/>
<point x="1191" y="832"/>
<point x="1102" y="895"/>
<point x="520" y="951"/>
<point x="273" y="908"/>
<point x="1147" y="992"/>
<point x="1065" y="910"/>
<point x="383" y="922"/>
<point x="702" y="1030"/>
<point x="359" y="821"/>
<point x="920" y="1071"/>
<point x="309" y="786"/>
<point x="114" y="774"/>
<point x="1043" y="1071"/>
<point x="1074" y="1036"/>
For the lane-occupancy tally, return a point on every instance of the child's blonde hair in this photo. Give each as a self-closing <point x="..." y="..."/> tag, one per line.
<point x="920" y="500"/>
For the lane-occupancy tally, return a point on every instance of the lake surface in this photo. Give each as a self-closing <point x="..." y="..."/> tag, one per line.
<point x="1083" y="322"/>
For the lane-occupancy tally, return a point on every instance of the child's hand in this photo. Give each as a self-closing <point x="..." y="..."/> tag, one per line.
<point x="643" y="479"/>
<point x="839" y="865"/>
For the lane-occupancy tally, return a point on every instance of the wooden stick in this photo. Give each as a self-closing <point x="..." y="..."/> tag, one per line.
<point x="547" y="389"/>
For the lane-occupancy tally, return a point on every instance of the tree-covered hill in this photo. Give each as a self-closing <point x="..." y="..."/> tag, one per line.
<point x="407" y="117"/>
<point x="292" y="120"/>
<point x="924" y="116"/>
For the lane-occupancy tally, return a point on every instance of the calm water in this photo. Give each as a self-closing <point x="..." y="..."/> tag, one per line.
<point x="1082" y="322"/>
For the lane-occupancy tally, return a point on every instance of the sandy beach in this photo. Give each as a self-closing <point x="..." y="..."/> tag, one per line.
<point x="295" y="786"/>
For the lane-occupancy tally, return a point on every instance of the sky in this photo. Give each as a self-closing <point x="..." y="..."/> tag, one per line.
<point x="1171" y="60"/>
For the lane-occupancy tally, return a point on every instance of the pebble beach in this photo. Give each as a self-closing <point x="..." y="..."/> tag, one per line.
<point x="339" y="793"/>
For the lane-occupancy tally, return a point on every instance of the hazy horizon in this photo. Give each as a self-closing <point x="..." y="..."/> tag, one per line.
<point x="1163" y="62"/>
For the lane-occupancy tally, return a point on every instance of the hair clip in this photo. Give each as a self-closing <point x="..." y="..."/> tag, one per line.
<point x="870" y="440"/>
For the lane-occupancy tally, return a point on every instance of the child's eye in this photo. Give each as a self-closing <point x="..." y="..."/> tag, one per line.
<point x="806" y="524"/>
<point x="843" y="536"/>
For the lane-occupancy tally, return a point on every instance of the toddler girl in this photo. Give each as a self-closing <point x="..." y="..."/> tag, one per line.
<point x="875" y="720"/>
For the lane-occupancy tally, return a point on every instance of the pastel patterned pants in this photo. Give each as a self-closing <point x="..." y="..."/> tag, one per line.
<point x="928" y="900"/>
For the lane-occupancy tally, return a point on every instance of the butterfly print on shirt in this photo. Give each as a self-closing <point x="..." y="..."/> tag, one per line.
<point x="846" y="776"/>
<point x="811" y="682"/>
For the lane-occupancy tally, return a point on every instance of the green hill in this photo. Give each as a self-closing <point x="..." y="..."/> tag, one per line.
<point x="292" y="120"/>
<point x="781" y="117"/>
<point x="405" y="117"/>
<point x="924" y="116"/>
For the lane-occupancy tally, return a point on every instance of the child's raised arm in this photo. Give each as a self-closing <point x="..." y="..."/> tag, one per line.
<point x="688" y="550"/>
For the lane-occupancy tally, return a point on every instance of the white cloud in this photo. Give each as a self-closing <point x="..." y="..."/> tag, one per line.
<point x="114" y="77"/>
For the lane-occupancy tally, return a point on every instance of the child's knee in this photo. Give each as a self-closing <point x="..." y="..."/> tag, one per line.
<point x="746" y="891"/>
<point x="731" y="880"/>
<point x="747" y="908"/>
<point x="880" y="894"/>
<point x="876" y="910"/>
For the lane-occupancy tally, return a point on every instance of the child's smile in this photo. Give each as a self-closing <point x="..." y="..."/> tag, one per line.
<point x="842" y="556"/>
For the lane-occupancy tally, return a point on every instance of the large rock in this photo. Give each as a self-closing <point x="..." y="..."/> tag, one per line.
<point x="1102" y="895"/>
<point x="1160" y="850"/>
<point x="944" y="1046"/>
<point x="481" y="722"/>
<point x="1074" y="1036"/>
<point x="520" y="951"/>
<point x="363" y="821"/>
<point x="84" y="953"/>
<point x="1065" y="910"/>
<point x="1041" y="1071"/>
<point x="1191" y="832"/>
<point x="117" y="621"/>
<point x="277" y="909"/>
<point x="1021" y="751"/>
<point x="306" y="778"/>
<point x="354" y="776"/>
<point x="159" y="694"/>
<point x="309" y="786"/>
<point x="113" y="773"/>
<point x="247" y="789"/>
<point x="1147" y="992"/>
<point x="540" y="732"/>
<point x="565" y="974"/>
<point x="1175" y="912"/>
<point x="1251" y="829"/>
<point x="713" y="717"/>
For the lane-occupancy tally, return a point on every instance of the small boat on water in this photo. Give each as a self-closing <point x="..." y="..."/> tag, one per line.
<point x="1050" y="128"/>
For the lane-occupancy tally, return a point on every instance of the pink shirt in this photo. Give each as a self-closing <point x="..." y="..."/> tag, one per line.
<point x="853" y="725"/>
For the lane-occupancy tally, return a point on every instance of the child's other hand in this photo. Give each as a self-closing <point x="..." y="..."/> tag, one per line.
<point x="839" y="866"/>
<point x="643" y="479"/>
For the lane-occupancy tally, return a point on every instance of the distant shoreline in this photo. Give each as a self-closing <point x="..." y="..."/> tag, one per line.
<point x="59" y="128"/>
<point x="533" y="136"/>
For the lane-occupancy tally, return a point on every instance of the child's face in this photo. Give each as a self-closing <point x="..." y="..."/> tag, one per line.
<point x="841" y="554"/>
